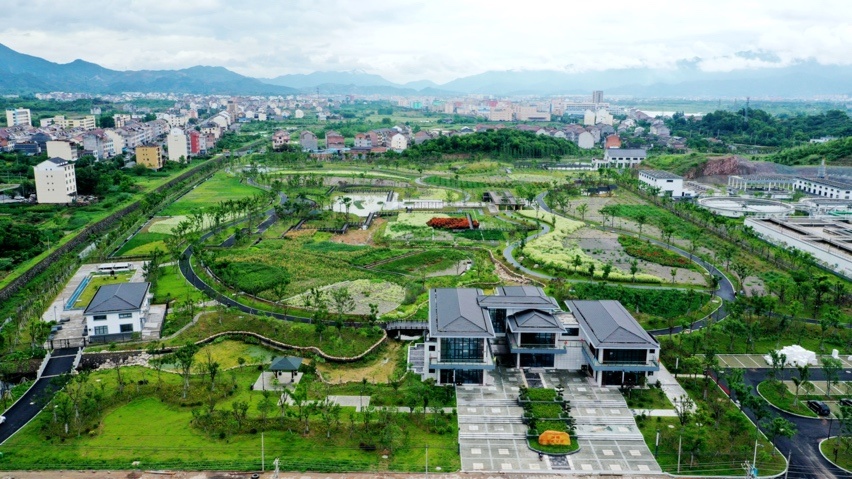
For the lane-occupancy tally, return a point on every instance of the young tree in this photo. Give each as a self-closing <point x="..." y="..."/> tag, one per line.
<point x="607" y="269"/>
<point x="779" y="427"/>
<point x="582" y="209"/>
<point x="802" y="380"/>
<point x="634" y="268"/>
<point x="831" y="368"/>
<point x="211" y="367"/>
<point x="184" y="358"/>
<point x="343" y="301"/>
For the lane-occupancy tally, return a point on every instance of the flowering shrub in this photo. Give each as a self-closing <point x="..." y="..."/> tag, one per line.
<point x="652" y="253"/>
<point x="451" y="223"/>
<point x="562" y="225"/>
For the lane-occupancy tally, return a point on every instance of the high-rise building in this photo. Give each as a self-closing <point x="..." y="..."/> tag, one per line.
<point x="19" y="117"/>
<point x="597" y="96"/>
<point x="55" y="181"/>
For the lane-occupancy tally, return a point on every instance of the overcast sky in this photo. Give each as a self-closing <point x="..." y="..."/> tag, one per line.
<point x="437" y="40"/>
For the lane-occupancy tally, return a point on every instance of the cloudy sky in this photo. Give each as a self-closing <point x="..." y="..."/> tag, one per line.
<point x="438" y="40"/>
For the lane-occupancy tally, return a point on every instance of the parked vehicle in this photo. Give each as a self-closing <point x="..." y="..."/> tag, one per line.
<point x="846" y="402"/>
<point x="819" y="407"/>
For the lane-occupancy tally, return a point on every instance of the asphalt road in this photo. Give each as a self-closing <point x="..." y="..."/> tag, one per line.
<point x="26" y="408"/>
<point x="806" y="460"/>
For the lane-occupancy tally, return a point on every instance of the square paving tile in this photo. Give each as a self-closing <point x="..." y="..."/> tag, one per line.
<point x="504" y="452"/>
<point x="615" y="467"/>
<point x="585" y="467"/>
<point x="496" y="410"/>
<point x="506" y="466"/>
<point x="534" y="467"/>
<point x="472" y="427"/>
<point x="623" y="429"/>
<point x="635" y="453"/>
<point x="475" y="450"/>
<point x="581" y="389"/>
<point x="643" y="468"/>
<point x="478" y="466"/>
<point x="471" y="409"/>
<point x="590" y="410"/>
<point x="615" y="411"/>
<point x="608" y="452"/>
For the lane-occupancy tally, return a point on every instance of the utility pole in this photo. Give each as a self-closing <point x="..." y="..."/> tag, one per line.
<point x="679" y="444"/>
<point x="262" y="454"/>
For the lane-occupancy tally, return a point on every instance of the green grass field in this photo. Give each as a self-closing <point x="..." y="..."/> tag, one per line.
<point x="143" y="243"/>
<point x="220" y="187"/>
<point x="171" y="285"/>
<point x="96" y="282"/>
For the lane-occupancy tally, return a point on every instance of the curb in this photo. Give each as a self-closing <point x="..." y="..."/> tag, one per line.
<point x="819" y="447"/>
<point x="782" y="410"/>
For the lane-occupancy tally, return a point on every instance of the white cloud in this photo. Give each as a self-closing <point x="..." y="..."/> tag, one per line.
<point x="438" y="40"/>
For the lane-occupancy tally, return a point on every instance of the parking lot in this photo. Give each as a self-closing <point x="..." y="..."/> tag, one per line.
<point x="492" y="435"/>
<point x="756" y="361"/>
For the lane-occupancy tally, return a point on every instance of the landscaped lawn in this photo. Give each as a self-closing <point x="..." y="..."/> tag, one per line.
<point x="651" y="398"/>
<point x="144" y="243"/>
<point x="710" y="446"/>
<point x="171" y="285"/>
<point x="777" y="394"/>
<point x="221" y="187"/>
<point x="151" y="425"/>
<point x="96" y="282"/>
<point x="842" y="455"/>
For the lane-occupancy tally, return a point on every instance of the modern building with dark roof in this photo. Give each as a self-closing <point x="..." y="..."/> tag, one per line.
<point x="616" y="348"/>
<point x="621" y="158"/>
<point x="118" y="309"/>
<point x="522" y="327"/>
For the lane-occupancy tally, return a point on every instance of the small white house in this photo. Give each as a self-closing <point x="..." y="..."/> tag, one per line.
<point x="118" y="308"/>
<point x="668" y="183"/>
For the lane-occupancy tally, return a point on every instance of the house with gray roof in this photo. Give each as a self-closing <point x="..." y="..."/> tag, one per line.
<point x="117" y="309"/>
<point x="621" y="158"/>
<point x="617" y="350"/>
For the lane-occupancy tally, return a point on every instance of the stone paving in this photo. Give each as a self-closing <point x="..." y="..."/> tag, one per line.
<point x="492" y="435"/>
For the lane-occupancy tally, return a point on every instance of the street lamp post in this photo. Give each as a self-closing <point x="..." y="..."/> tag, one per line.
<point x="657" y="443"/>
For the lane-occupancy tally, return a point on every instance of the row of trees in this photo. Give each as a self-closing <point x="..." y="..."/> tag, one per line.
<point x="502" y="143"/>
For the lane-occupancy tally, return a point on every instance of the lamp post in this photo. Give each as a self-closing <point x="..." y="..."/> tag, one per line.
<point x="657" y="444"/>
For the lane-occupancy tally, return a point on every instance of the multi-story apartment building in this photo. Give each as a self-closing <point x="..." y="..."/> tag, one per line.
<point x="176" y="142"/>
<point x="149" y="156"/>
<point x="18" y="117"/>
<point x="55" y="181"/>
<point x="61" y="149"/>
<point x="85" y="122"/>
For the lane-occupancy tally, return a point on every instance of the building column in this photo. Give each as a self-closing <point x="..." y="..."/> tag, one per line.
<point x="518" y="360"/>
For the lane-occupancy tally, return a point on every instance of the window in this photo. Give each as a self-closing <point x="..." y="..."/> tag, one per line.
<point x="126" y="328"/>
<point x="125" y="315"/>
<point x="99" y="317"/>
<point x="572" y="332"/>
<point x="632" y="356"/>
<point x="462" y="349"/>
<point x="537" y="339"/>
<point x="99" y="330"/>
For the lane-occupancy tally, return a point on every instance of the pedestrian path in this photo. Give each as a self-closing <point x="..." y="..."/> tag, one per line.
<point x="671" y="388"/>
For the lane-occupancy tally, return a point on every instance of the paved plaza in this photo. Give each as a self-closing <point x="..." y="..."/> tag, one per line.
<point x="492" y="437"/>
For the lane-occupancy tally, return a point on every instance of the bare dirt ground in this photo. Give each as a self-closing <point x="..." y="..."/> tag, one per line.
<point x="377" y="372"/>
<point x="753" y="286"/>
<point x="358" y="236"/>
<point x="603" y="246"/>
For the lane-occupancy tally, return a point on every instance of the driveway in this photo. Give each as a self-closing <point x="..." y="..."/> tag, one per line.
<point x="29" y="405"/>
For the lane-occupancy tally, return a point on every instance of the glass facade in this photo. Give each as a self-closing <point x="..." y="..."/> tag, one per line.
<point x="537" y="360"/>
<point x="461" y="376"/>
<point x="462" y="350"/>
<point x="498" y="320"/>
<point x="630" y="356"/>
<point x="537" y="339"/>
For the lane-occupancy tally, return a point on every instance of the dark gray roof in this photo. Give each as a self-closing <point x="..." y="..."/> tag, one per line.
<point x="609" y="325"/>
<point x="455" y="313"/>
<point x="534" y="322"/>
<point x="625" y="153"/>
<point x="660" y="175"/>
<point x="118" y="297"/>
<point x="286" y="363"/>
<point x="518" y="302"/>
<point x="57" y="161"/>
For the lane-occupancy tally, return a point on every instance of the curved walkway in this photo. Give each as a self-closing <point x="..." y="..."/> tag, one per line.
<point x="463" y="193"/>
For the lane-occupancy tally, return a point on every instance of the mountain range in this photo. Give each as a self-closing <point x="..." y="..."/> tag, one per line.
<point x="22" y="73"/>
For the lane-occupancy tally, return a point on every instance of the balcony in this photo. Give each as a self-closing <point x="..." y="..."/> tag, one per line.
<point x="596" y="365"/>
<point x="533" y="348"/>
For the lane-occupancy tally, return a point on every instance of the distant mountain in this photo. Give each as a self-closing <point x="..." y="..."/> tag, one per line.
<point x="21" y="73"/>
<point x="312" y="80"/>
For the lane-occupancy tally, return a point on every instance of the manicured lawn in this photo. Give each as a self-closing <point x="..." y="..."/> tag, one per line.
<point x="171" y="285"/>
<point x="842" y="456"/>
<point x="144" y="243"/>
<point x="778" y="395"/>
<point x="96" y="282"/>
<point x="651" y="398"/>
<point x="148" y="424"/>
<point x="227" y="353"/>
<point x="221" y="187"/>
<point x="710" y="446"/>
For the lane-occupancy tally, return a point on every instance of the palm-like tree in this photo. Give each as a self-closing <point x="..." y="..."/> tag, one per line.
<point x="803" y="381"/>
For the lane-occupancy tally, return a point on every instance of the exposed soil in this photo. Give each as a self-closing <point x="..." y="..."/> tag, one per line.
<point x="377" y="372"/>
<point x="357" y="236"/>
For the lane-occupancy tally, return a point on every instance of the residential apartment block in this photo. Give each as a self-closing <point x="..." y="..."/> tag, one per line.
<point x="62" y="149"/>
<point x="55" y="181"/>
<point x="176" y="142"/>
<point x="149" y="156"/>
<point x="19" y="117"/>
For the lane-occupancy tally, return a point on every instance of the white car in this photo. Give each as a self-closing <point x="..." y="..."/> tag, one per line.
<point x="2" y="419"/>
